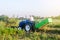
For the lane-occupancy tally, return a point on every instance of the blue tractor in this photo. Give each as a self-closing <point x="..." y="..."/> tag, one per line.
<point x="27" y="25"/>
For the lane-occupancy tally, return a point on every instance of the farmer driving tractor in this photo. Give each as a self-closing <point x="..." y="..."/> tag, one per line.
<point x="30" y="25"/>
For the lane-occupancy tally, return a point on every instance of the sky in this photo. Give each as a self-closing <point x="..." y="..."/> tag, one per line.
<point x="30" y="7"/>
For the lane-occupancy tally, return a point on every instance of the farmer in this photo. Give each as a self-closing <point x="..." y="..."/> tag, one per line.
<point x="31" y="18"/>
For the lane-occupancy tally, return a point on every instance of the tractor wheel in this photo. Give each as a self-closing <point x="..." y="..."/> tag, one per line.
<point x="27" y="28"/>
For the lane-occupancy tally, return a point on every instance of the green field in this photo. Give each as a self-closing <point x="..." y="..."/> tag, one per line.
<point x="50" y="32"/>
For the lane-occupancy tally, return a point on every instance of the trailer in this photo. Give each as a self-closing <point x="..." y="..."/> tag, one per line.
<point x="28" y="25"/>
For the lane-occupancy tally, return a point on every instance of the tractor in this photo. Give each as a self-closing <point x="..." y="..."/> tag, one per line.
<point x="28" y="25"/>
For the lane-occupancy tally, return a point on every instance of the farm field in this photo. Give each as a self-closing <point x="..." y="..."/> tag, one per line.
<point x="50" y="32"/>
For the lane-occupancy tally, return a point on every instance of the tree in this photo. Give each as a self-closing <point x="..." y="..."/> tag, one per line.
<point x="3" y="18"/>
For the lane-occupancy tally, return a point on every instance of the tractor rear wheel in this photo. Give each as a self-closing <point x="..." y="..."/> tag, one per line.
<point x="27" y="28"/>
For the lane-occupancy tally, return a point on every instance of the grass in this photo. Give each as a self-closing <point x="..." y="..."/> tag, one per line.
<point x="7" y="33"/>
<point x="15" y="34"/>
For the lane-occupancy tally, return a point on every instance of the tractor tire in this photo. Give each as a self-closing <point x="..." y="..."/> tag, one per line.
<point x="27" y="28"/>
